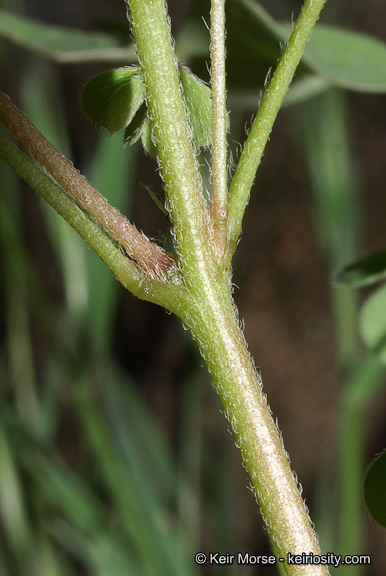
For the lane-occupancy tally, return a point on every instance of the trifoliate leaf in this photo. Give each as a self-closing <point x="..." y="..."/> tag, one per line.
<point x="372" y="323"/>
<point x="374" y="489"/>
<point x="198" y="100"/>
<point x="365" y="271"/>
<point x="199" y="107"/>
<point x="112" y="98"/>
<point x="116" y="99"/>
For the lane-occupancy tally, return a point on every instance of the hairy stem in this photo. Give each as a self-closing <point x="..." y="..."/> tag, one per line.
<point x="209" y="311"/>
<point x="165" y="294"/>
<point x="261" y="129"/>
<point x="219" y="208"/>
<point x="213" y="324"/>
<point x="171" y="132"/>
<point x="151" y="258"/>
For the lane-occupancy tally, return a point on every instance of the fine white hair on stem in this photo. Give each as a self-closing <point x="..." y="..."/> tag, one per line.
<point x="219" y="208"/>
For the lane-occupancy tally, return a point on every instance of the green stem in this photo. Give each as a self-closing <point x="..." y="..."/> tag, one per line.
<point x="205" y="305"/>
<point x="153" y="260"/>
<point x="209" y="311"/>
<point x="261" y="129"/>
<point x="213" y="324"/>
<point x="168" y="294"/>
<point x="219" y="208"/>
<point x="172" y="135"/>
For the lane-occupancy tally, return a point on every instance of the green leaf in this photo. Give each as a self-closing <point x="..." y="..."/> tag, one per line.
<point x="62" y="44"/>
<point x="375" y="489"/>
<point x="134" y="130"/>
<point x="112" y="98"/>
<point x="365" y="271"/>
<point x="140" y="128"/>
<point x="347" y="59"/>
<point x="198" y="98"/>
<point x="373" y="323"/>
<point x="147" y="140"/>
<point x="116" y="99"/>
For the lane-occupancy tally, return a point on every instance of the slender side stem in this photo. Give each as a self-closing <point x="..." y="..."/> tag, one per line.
<point x="259" y="134"/>
<point x="171" y="132"/>
<point x="153" y="260"/>
<point x="165" y="294"/>
<point x="219" y="209"/>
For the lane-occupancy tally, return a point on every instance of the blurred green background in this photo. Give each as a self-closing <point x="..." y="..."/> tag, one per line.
<point x="115" y="458"/>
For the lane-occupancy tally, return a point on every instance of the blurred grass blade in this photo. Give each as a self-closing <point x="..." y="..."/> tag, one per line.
<point x="337" y="220"/>
<point x="48" y="560"/>
<point x="102" y="553"/>
<point x="142" y="516"/>
<point x="364" y="271"/>
<point x="149" y="467"/>
<point x="13" y="511"/>
<point x="190" y="461"/>
<point x="42" y="101"/>
<point x="62" y="44"/>
<point x="113" y="175"/>
<point x="16" y="283"/>
<point x="364" y="383"/>
<point x="143" y="446"/>
<point x="333" y="176"/>
<point x="3" y="563"/>
<point x="346" y="59"/>
<point x="81" y="522"/>
<point x="337" y="205"/>
<point x="64" y="491"/>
